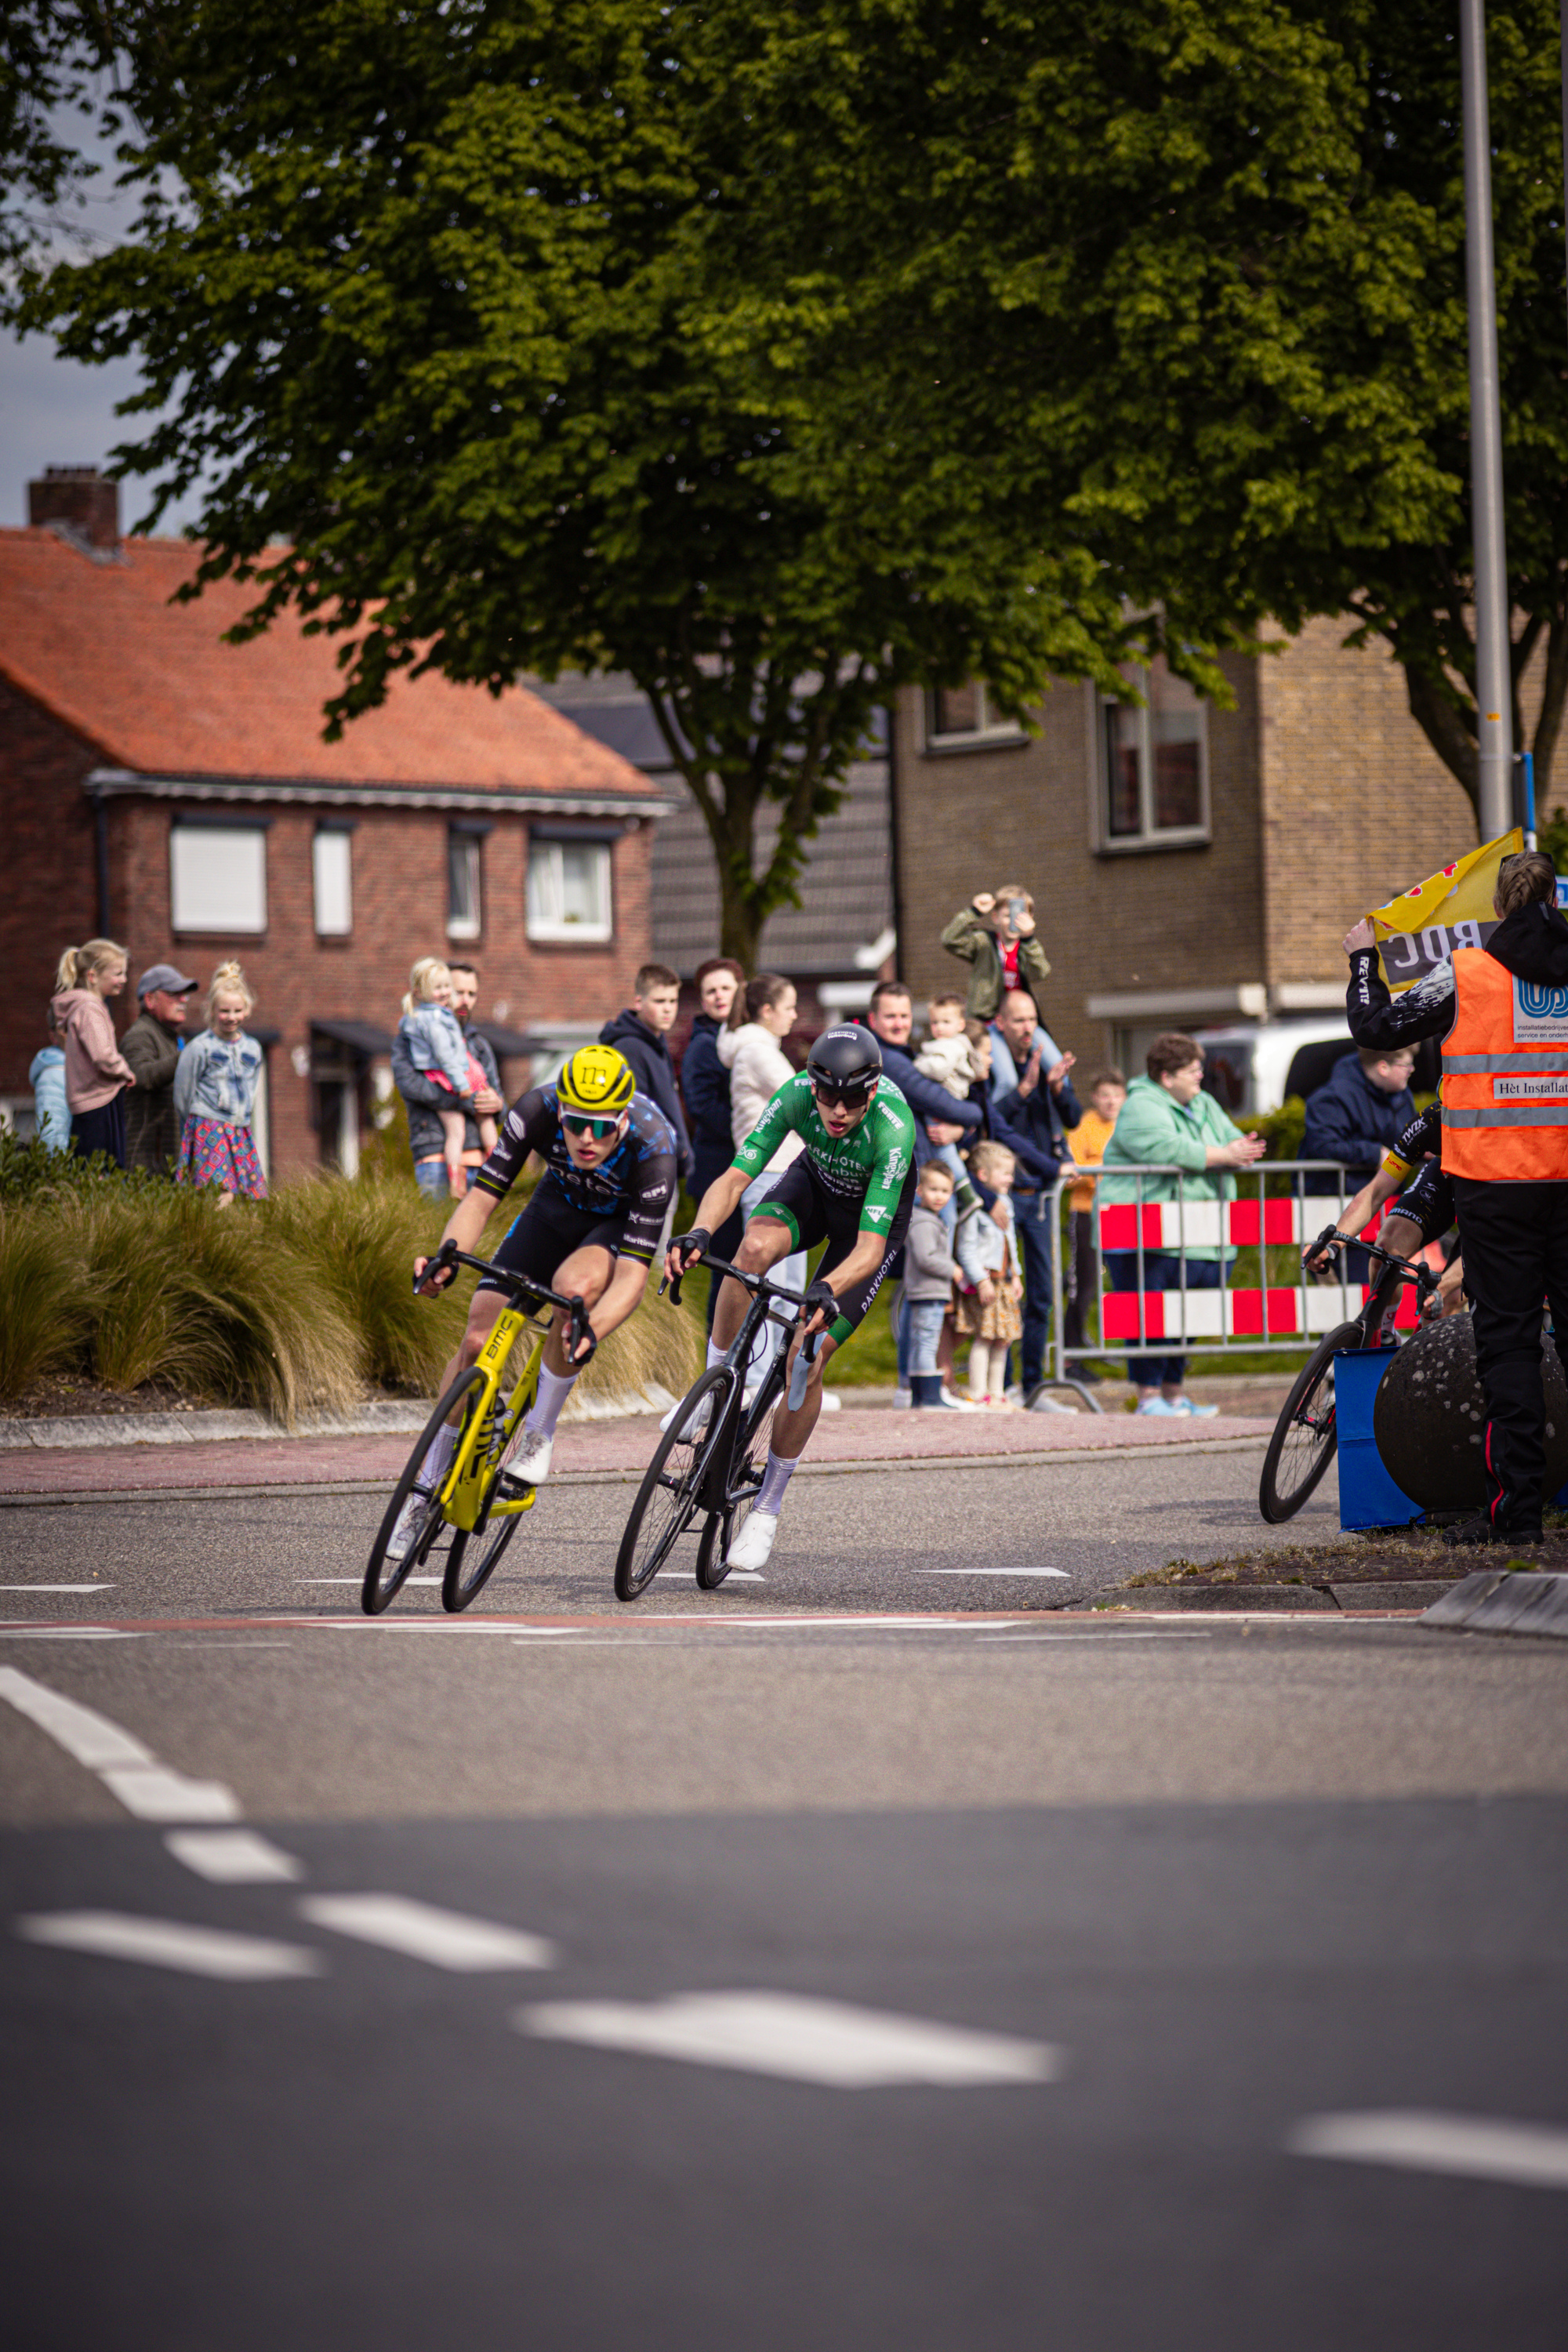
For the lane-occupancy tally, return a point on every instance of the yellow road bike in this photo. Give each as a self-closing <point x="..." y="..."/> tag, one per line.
<point x="468" y="1521"/>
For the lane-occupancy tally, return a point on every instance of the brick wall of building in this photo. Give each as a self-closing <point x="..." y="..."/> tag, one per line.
<point x="1356" y="804"/>
<point x="399" y="911"/>
<point x="49" y="897"/>
<point x="1154" y="918"/>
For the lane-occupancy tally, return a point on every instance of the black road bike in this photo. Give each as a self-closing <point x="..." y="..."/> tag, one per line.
<point x="711" y="1461"/>
<point x="1305" y="1435"/>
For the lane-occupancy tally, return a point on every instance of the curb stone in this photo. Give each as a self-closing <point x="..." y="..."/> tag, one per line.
<point x="1497" y="1601"/>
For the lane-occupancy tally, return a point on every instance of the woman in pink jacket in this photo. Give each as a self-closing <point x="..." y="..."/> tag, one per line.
<point x="97" y="1072"/>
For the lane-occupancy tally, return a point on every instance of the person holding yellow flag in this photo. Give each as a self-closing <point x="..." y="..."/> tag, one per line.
<point x="1501" y="1010"/>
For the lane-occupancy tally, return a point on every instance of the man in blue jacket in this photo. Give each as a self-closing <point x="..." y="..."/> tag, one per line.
<point x="1364" y="1109"/>
<point x="1040" y="1107"/>
<point x="891" y="1019"/>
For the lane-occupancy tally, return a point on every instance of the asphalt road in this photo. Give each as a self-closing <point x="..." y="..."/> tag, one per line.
<point x="864" y="1959"/>
<point x="904" y="1537"/>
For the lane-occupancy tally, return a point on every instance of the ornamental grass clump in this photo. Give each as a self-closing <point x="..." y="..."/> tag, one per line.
<point x="360" y="1239"/>
<point x="210" y="1301"/>
<point x="295" y="1305"/>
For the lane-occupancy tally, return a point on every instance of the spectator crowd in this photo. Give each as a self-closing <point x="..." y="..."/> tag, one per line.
<point x="1000" y="1127"/>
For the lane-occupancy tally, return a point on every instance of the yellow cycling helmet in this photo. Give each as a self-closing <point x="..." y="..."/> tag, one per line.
<point x="596" y="1081"/>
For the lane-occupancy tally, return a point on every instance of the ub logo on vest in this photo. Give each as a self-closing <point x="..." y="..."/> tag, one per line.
<point x="1540" y="1014"/>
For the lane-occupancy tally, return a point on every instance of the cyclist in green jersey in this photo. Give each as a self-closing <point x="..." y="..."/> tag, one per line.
<point x="853" y="1187"/>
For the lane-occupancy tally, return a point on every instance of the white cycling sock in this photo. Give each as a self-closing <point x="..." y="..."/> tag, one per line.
<point x="716" y="1354"/>
<point x="554" y="1388"/>
<point x="775" y="1478"/>
<point x="437" y="1455"/>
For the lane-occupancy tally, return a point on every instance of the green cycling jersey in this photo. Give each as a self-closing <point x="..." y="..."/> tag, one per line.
<point x="870" y="1164"/>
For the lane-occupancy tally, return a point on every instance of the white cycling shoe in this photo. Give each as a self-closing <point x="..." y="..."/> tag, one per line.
<point x="753" y="1545"/>
<point x="530" y="1459"/>
<point x="410" y="1520"/>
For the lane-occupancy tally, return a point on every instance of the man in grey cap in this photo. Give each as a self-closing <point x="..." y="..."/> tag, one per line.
<point x="152" y="1046"/>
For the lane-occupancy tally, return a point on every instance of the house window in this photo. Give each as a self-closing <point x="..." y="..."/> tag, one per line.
<point x="568" y="889"/>
<point x="464" y="906"/>
<point x="217" y="877"/>
<point x="333" y="858"/>
<point x="1153" y="764"/>
<point x="958" y="717"/>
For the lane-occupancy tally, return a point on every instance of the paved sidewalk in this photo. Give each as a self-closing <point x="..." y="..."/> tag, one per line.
<point x="613" y="1449"/>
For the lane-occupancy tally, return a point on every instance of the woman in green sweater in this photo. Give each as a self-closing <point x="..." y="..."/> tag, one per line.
<point x="1167" y="1121"/>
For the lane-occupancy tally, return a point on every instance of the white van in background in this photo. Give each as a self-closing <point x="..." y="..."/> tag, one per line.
<point x="1255" y="1066"/>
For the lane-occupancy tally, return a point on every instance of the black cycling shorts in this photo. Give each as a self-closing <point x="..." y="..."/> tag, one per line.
<point x="803" y="1202"/>
<point x="544" y="1236"/>
<point x="1428" y="1200"/>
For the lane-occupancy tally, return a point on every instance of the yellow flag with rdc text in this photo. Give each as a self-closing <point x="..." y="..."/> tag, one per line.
<point x="1453" y="908"/>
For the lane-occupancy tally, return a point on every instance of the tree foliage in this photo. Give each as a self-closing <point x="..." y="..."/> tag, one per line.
<point x="1185" y="280"/>
<point x="434" y="298"/>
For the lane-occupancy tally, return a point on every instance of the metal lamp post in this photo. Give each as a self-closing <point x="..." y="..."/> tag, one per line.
<point x="1494" y="681"/>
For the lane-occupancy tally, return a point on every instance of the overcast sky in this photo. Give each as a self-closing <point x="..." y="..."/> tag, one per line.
<point x="55" y="412"/>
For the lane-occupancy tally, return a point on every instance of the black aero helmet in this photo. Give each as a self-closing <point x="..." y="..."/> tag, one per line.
<point x="846" y="1061"/>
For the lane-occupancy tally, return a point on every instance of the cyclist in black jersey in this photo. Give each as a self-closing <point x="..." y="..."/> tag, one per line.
<point x="1411" y="1168"/>
<point x="596" y="1219"/>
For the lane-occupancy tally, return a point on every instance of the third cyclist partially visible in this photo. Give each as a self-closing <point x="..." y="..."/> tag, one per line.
<point x="853" y="1187"/>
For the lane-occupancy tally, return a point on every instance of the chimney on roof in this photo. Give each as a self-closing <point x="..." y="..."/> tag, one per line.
<point x="81" y="497"/>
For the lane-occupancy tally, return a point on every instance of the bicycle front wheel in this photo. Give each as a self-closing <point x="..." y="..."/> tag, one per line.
<point x="666" y="1501"/>
<point x="1305" y="1435"/>
<point x="386" y="1572"/>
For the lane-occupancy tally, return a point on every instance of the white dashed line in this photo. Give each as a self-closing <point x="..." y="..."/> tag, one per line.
<point x="171" y="1943"/>
<point x="1474" y="2148"/>
<point x="993" y="1572"/>
<point x="802" y="2040"/>
<point x="447" y="1939"/>
<point x="56" y="1588"/>
<point x="68" y="1633"/>
<point x="232" y="1857"/>
<point x="128" y="1770"/>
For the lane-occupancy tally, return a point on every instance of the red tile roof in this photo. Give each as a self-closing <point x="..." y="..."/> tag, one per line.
<point x="152" y="686"/>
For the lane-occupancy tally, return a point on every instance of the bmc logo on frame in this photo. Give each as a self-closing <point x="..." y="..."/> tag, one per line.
<point x="1540" y="1014"/>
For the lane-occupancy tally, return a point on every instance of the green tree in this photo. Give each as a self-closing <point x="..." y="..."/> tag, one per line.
<point x="1185" y="278"/>
<point x="433" y="297"/>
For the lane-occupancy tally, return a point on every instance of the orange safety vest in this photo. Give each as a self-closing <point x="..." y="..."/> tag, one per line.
<point x="1505" y="1076"/>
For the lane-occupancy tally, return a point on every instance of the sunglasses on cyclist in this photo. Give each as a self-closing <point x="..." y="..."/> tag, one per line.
<point x="846" y="1097"/>
<point x="599" y="1129"/>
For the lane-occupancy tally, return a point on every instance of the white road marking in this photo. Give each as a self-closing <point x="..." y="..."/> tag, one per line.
<point x="232" y="1857"/>
<point x="802" y="2040"/>
<point x="128" y="1770"/>
<point x="154" y="1793"/>
<point x="1476" y="2147"/>
<point x="1154" y="1634"/>
<point x="15" y="1633"/>
<point x="359" y="1579"/>
<point x="447" y="1940"/>
<point x="992" y="1571"/>
<point x="171" y="1943"/>
<point x="56" y="1588"/>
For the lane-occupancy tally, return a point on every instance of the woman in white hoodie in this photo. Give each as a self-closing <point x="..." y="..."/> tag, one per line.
<point x="752" y="1049"/>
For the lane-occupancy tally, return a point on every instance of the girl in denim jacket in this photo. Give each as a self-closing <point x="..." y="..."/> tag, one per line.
<point x="215" y="1083"/>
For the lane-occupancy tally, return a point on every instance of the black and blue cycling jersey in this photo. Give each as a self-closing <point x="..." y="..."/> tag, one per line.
<point x="635" y="1184"/>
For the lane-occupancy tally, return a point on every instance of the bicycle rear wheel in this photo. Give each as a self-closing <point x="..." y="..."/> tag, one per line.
<point x="1305" y="1436"/>
<point x="383" y="1577"/>
<point x="746" y="1471"/>
<point x="666" y="1501"/>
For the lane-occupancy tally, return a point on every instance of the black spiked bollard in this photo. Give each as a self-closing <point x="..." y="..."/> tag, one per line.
<point x="1429" y="1419"/>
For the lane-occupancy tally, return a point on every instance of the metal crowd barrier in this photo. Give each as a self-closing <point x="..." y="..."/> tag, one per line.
<point x="1263" y="1318"/>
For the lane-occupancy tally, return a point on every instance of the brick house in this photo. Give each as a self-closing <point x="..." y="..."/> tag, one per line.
<point x="173" y="791"/>
<point x="1190" y="866"/>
